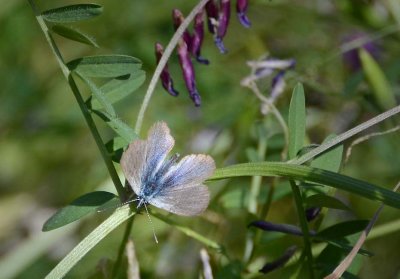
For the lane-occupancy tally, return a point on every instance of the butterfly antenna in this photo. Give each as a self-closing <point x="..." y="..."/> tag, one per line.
<point x="151" y="223"/>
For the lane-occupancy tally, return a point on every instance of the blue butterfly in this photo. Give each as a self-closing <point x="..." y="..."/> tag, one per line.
<point x="169" y="184"/>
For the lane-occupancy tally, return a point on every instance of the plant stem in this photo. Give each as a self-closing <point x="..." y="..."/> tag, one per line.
<point x="253" y="86"/>
<point x="88" y="117"/>
<point x="254" y="193"/>
<point x="348" y="134"/>
<point x="121" y="250"/>
<point x="304" y="227"/>
<point x="163" y="61"/>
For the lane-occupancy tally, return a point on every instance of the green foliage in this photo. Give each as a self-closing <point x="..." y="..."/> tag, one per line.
<point x="72" y="13"/>
<point x="380" y="85"/>
<point x="297" y="121"/>
<point x="321" y="200"/>
<point x="342" y="229"/>
<point x="304" y="173"/>
<point x="49" y="160"/>
<point x="82" y="206"/>
<point x="105" y="66"/>
<point x="73" y="34"/>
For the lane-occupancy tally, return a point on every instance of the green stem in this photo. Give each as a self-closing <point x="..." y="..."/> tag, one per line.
<point x="253" y="204"/>
<point x="304" y="227"/>
<point x="88" y="117"/>
<point x="121" y="250"/>
<point x="346" y="135"/>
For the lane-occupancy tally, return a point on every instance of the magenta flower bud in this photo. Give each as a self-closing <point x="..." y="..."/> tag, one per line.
<point x="178" y="18"/>
<point x="223" y="22"/>
<point x="212" y="16"/>
<point x="165" y="77"/>
<point x="197" y="38"/>
<point x="188" y="72"/>
<point x="280" y="262"/>
<point x="241" y="9"/>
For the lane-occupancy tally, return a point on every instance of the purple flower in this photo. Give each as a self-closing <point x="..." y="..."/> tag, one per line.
<point x="241" y="9"/>
<point x="351" y="45"/>
<point x="268" y="267"/>
<point x="278" y="84"/>
<point x="188" y="72"/>
<point x="166" y="79"/>
<point x="223" y="22"/>
<point x="178" y="18"/>
<point x="197" y="38"/>
<point x="212" y="16"/>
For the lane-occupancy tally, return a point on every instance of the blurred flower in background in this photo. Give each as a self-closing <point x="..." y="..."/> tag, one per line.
<point x="350" y="47"/>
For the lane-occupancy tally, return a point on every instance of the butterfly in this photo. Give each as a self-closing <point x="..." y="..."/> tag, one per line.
<point x="167" y="183"/>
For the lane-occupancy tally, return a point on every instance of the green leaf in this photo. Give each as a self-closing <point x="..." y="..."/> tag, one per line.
<point x="105" y="66"/>
<point x="99" y="96"/>
<point x="321" y="200"/>
<point x="297" y="121"/>
<point x="375" y="76"/>
<point x="118" y="88"/>
<point x="115" y="148"/>
<point x="112" y="204"/>
<point x="343" y="229"/>
<point x="80" y="207"/>
<point x="331" y="159"/>
<point x="120" y="127"/>
<point x="73" y="34"/>
<point x="87" y="244"/>
<point x="72" y="13"/>
<point x="305" y="173"/>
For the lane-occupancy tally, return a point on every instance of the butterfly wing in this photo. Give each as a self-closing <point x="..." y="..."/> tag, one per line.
<point x="186" y="200"/>
<point x="142" y="159"/>
<point x="183" y="192"/>
<point x="159" y="144"/>
<point x="133" y="162"/>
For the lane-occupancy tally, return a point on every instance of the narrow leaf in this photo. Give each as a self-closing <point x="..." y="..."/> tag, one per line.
<point x="119" y="127"/>
<point x="118" y="88"/>
<point x="321" y="200"/>
<point x="297" y="121"/>
<point x="343" y="244"/>
<point x="80" y="250"/>
<point x="80" y="207"/>
<point x="343" y="229"/>
<point x="115" y="148"/>
<point x="375" y="76"/>
<point x="331" y="159"/>
<point x="105" y="66"/>
<point x="72" y="13"/>
<point x="99" y="96"/>
<point x="305" y="173"/>
<point x="73" y="34"/>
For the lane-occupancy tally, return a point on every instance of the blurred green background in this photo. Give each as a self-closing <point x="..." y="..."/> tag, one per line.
<point x="48" y="157"/>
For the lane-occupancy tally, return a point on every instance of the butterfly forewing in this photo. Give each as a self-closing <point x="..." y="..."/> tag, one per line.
<point x="133" y="163"/>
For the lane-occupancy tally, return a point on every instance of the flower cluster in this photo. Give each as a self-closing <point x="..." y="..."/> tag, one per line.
<point x="218" y="16"/>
